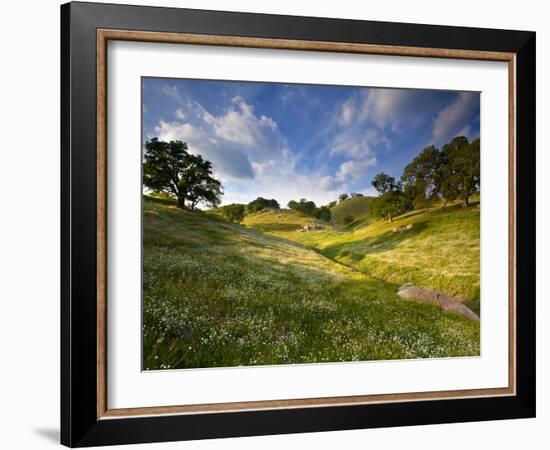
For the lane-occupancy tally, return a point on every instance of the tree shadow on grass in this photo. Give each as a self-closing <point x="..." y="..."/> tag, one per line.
<point x="357" y="223"/>
<point x="356" y="250"/>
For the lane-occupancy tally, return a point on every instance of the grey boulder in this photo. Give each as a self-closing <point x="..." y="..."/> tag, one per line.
<point x="446" y="303"/>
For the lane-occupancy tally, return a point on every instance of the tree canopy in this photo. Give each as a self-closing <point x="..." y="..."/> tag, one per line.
<point x="450" y="173"/>
<point x="392" y="201"/>
<point x="262" y="203"/>
<point x="234" y="212"/>
<point x="309" y="208"/>
<point x="423" y="177"/>
<point x="304" y="206"/>
<point x="447" y="174"/>
<point x="169" y="167"/>
<point x="461" y="169"/>
<point x="342" y="197"/>
<point x="383" y="183"/>
<point x="323" y="213"/>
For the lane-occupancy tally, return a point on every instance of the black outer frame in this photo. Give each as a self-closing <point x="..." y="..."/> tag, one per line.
<point x="79" y="424"/>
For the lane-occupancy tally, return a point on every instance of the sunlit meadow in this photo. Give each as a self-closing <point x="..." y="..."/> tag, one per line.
<point x="222" y="294"/>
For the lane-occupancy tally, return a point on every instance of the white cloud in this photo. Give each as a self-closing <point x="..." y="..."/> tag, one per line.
<point x="362" y="123"/>
<point x="172" y="131"/>
<point x="386" y="107"/>
<point x="291" y="93"/>
<point x="358" y="138"/>
<point x="465" y="131"/>
<point x="172" y="91"/>
<point x="452" y="119"/>
<point x="381" y="107"/>
<point x="234" y="140"/>
<point x="240" y="125"/>
<point x="283" y="187"/>
<point x="348" y="112"/>
<point x="350" y="171"/>
<point x="227" y="159"/>
<point x="359" y="146"/>
<point x="328" y="183"/>
<point x="358" y="143"/>
<point x="249" y="153"/>
<point x="354" y="169"/>
<point x="180" y="114"/>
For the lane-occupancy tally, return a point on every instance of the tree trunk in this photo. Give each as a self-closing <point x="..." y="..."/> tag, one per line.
<point x="391" y="219"/>
<point x="466" y="202"/>
<point x="181" y="202"/>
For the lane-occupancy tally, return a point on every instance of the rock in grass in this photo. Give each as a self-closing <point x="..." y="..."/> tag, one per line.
<point x="402" y="229"/>
<point x="410" y="292"/>
<point x="424" y="295"/>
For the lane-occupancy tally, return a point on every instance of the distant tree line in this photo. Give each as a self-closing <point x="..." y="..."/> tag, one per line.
<point x="343" y="197"/>
<point x="309" y="208"/>
<point x="236" y="212"/>
<point x="262" y="203"/>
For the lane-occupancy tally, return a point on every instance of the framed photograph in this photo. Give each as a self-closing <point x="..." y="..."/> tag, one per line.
<point x="276" y="224"/>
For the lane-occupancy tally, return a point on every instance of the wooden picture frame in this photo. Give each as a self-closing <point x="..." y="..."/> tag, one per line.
<point x="86" y="418"/>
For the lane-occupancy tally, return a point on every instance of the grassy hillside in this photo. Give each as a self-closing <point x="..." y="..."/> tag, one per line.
<point x="280" y="220"/>
<point x="357" y="207"/>
<point x="441" y="251"/>
<point x="221" y="294"/>
<point x="285" y="223"/>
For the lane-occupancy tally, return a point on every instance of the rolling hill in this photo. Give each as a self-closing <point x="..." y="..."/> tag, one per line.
<point x="222" y="294"/>
<point x="440" y="251"/>
<point x="280" y="220"/>
<point x="357" y="208"/>
<point x="285" y="223"/>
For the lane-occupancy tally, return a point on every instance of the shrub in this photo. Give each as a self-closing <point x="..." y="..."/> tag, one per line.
<point x="234" y="212"/>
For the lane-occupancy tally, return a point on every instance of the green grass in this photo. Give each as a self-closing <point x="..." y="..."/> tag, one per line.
<point x="441" y="251"/>
<point x="357" y="207"/>
<point x="220" y="294"/>
<point x="285" y="223"/>
<point x="280" y="220"/>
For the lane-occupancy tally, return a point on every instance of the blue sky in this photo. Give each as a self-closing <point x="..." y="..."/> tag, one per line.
<point x="292" y="141"/>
